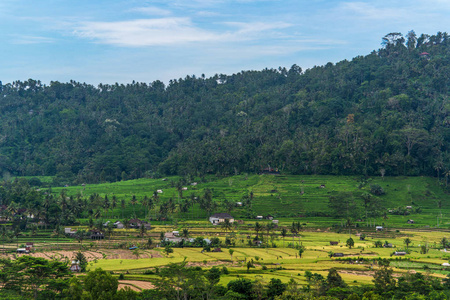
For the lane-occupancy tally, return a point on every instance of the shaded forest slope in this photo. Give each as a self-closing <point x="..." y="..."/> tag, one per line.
<point x="383" y="113"/>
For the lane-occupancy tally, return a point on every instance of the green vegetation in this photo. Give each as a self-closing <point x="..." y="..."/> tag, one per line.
<point x="386" y="113"/>
<point x="340" y="148"/>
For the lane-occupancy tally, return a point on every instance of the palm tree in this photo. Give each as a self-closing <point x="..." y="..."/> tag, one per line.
<point x="142" y="230"/>
<point x="122" y="205"/>
<point x="283" y="234"/>
<point x="106" y="205"/>
<point x="133" y="203"/>
<point x="145" y="202"/>
<point x="80" y="236"/>
<point x="447" y="174"/>
<point x="258" y="228"/>
<point x="295" y="228"/>
<point x="109" y="231"/>
<point x="185" y="233"/>
<point x="227" y="225"/>
<point x="349" y="224"/>
<point x="114" y="202"/>
<point x="407" y="241"/>
<point x="155" y="200"/>
<point x="3" y="234"/>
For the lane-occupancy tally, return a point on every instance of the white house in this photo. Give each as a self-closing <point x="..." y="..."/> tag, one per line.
<point x="220" y="218"/>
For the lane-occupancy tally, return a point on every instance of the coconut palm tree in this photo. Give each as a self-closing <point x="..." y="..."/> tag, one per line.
<point x="133" y="203"/>
<point x="114" y="202"/>
<point x="110" y="231"/>
<point x="144" y="202"/>
<point x="283" y="234"/>
<point x="258" y="229"/>
<point x="227" y="225"/>
<point x="155" y="197"/>
<point x="122" y="205"/>
<point x="185" y="233"/>
<point x="407" y="241"/>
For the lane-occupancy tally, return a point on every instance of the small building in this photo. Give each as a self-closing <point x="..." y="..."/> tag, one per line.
<point x="275" y="224"/>
<point x="119" y="225"/>
<point x="69" y="231"/>
<point x="379" y="228"/>
<point x="238" y="203"/>
<point x="425" y="55"/>
<point x="259" y="217"/>
<point x="333" y="243"/>
<point x="388" y="245"/>
<point x="134" y="223"/>
<point x="159" y="191"/>
<point x="171" y="237"/>
<point x="322" y="186"/>
<point x="194" y="183"/>
<point x="75" y="266"/>
<point x="220" y="218"/>
<point x="409" y="207"/>
<point x="338" y="254"/>
<point x="97" y="235"/>
<point x="184" y="189"/>
<point x="269" y="217"/>
<point x="400" y="253"/>
<point x="22" y="250"/>
<point x="410" y="221"/>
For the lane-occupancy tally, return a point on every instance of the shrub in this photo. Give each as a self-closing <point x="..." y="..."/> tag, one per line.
<point x="376" y="189"/>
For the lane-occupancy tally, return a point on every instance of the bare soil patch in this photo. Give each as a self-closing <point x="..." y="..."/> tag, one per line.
<point x="136" y="285"/>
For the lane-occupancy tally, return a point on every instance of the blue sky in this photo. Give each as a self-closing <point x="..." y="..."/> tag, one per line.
<point x="97" y="41"/>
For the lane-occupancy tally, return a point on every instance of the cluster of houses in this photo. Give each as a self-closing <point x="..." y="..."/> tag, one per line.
<point x="219" y="218"/>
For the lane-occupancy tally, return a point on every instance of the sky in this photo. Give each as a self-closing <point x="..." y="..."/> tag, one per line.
<point x="99" y="41"/>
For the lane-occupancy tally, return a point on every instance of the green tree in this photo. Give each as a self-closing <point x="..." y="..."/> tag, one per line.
<point x="231" y="251"/>
<point x="100" y="284"/>
<point x="350" y="243"/>
<point x="407" y="241"/>
<point x="383" y="278"/>
<point x="33" y="276"/>
<point x="168" y="249"/>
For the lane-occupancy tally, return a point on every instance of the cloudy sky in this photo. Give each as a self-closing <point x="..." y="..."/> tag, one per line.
<point x="112" y="41"/>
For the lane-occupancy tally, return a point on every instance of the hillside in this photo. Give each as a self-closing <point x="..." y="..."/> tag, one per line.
<point x="286" y="197"/>
<point x="384" y="113"/>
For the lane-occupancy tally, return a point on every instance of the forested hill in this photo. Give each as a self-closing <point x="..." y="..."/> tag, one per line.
<point x="386" y="112"/>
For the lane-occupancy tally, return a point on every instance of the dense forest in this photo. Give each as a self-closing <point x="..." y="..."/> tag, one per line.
<point x="384" y="113"/>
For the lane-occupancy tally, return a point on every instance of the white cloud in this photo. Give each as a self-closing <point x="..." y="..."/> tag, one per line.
<point x="170" y="31"/>
<point x="144" y="32"/>
<point x="27" y="39"/>
<point x="151" y="10"/>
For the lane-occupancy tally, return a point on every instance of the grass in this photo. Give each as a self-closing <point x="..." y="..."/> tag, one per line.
<point x="289" y="198"/>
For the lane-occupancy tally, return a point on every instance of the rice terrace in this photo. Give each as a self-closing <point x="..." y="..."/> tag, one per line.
<point x="283" y="228"/>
